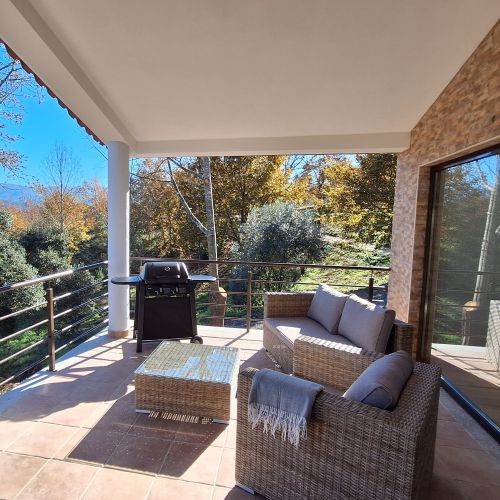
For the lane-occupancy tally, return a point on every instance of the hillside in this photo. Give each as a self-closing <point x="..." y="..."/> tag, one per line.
<point x="16" y="194"/>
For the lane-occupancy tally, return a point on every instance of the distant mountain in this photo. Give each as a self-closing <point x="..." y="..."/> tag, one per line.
<point x="17" y="194"/>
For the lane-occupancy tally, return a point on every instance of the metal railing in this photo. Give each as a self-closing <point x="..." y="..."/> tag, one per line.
<point x="245" y="285"/>
<point x="53" y="327"/>
<point x="55" y="340"/>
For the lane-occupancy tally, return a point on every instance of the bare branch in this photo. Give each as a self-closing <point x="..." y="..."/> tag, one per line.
<point x="179" y="165"/>
<point x="184" y="203"/>
<point x="483" y="178"/>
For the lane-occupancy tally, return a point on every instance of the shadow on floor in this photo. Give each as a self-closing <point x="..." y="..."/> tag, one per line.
<point x="156" y="443"/>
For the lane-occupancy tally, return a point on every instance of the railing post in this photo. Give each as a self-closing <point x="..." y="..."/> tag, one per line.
<point x="51" y="341"/>
<point x="370" y="289"/>
<point x="249" y="299"/>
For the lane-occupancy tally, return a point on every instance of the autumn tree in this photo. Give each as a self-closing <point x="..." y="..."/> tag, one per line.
<point x="62" y="201"/>
<point x="374" y="195"/>
<point x="156" y="217"/>
<point x="242" y="183"/>
<point x="357" y="197"/>
<point x="94" y="247"/>
<point x="239" y="184"/>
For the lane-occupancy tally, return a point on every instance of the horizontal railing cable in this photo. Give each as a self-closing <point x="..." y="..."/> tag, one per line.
<point x="78" y="306"/>
<point x="24" y="330"/>
<point x="81" y="320"/>
<point x="50" y="277"/>
<point x="26" y="309"/>
<point x="261" y="264"/>
<point x="84" y="334"/>
<point x="22" y="351"/>
<point x="79" y="290"/>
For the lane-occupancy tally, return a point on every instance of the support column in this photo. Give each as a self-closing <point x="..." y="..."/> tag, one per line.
<point x="118" y="237"/>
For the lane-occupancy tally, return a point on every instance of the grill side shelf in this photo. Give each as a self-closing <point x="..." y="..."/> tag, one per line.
<point x="134" y="280"/>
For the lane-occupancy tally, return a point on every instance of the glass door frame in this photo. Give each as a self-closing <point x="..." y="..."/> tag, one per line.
<point x="430" y="240"/>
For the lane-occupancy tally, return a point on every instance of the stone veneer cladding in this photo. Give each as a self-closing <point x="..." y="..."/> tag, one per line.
<point x="463" y="119"/>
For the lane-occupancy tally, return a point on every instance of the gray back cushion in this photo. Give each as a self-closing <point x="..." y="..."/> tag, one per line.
<point x="365" y="324"/>
<point x="381" y="384"/>
<point x="326" y="308"/>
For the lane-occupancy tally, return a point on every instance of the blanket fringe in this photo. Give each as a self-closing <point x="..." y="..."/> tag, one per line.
<point x="293" y="427"/>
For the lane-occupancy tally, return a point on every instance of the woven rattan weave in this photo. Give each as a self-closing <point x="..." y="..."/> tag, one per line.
<point x="352" y="451"/>
<point x="282" y="304"/>
<point x="188" y="379"/>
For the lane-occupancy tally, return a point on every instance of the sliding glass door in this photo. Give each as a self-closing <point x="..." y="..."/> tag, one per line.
<point x="463" y="281"/>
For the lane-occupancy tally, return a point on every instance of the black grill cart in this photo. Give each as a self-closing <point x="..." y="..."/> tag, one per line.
<point x="165" y="307"/>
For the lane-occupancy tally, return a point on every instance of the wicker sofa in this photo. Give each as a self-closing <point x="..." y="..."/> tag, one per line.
<point x="296" y="305"/>
<point x="352" y="451"/>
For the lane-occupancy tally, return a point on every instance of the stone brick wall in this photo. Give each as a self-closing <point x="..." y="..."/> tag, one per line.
<point x="465" y="118"/>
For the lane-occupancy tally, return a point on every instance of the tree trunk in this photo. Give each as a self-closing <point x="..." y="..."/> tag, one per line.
<point x="217" y="295"/>
<point x="209" y="206"/>
<point x="486" y="256"/>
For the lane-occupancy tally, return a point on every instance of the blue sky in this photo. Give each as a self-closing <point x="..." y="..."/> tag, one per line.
<point x="44" y="124"/>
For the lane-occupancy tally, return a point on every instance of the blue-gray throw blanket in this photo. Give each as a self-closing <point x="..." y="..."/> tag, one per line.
<point x="281" y="402"/>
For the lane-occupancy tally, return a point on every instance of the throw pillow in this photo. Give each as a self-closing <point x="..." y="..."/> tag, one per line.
<point x="366" y="324"/>
<point x="381" y="384"/>
<point x="326" y="307"/>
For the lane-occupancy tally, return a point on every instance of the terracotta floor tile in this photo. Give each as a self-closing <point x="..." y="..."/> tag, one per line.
<point x="93" y="391"/>
<point x="51" y="386"/>
<point x="42" y="439"/>
<point x="445" y="489"/>
<point x="97" y="446"/>
<point x="83" y="414"/>
<point x="188" y="452"/>
<point x="122" y="390"/>
<point x="231" y="435"/>
<point x="225" y="476"/>
<point x="192" y="463"/>
<point x="71" y="444"/>
<point x="19" y="469"/>
<point x="450" y="433"/>
<point x="131" y="486"/>
<point x="465" y="464"/>
<point x="221" y="493"/>
<point x="472" y="491"/>
<point x="220" y="440"/>
<point x="199" y="433"/>
<point x="174" y="489"/>
<point x="119" y="417"/>
<point x="147" y="426"/>
<point x="140" y="453"/>
<point x="59" y="481"/>
<point x="30" y="408"/>
<point x="10" y="431"/>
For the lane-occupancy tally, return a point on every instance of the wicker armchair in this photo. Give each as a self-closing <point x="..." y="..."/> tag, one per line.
<point x="296" y="304"/>
<point x="353" y="451"/>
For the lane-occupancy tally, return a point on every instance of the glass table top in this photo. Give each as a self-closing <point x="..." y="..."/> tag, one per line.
<point x="191" y="362"/>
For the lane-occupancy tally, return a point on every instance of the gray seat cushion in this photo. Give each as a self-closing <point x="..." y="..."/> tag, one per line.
<point x="365" y="324"/>
<point x="381" y="384"/>
<point x="326" y="307"/>
<point x="290" y="329"/>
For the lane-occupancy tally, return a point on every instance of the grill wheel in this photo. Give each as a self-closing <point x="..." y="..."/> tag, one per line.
<point x="196" y="340"/>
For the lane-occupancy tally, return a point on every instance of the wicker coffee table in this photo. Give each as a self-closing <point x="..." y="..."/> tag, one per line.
<point x="188" y="379"/>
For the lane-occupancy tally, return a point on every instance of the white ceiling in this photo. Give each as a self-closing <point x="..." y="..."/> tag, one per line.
<point x="247" y="76"/>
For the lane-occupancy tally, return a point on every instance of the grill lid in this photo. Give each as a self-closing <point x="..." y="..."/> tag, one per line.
<point x="165" y="272"/>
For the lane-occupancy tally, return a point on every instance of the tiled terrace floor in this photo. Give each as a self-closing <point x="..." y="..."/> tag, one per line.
<point x="470" y="370"/>
<point x="74" y="434"/>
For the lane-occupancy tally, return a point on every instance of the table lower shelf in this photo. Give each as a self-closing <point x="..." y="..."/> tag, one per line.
<point x="186" y="397"/>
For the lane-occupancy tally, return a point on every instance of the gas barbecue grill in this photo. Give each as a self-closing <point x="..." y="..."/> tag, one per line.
<point x="165" y="306"/>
